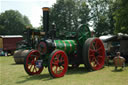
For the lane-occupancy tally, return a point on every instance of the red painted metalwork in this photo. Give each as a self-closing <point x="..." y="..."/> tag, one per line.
<point x="42" y="48"/>
<point x="64" y="45"/>
<point x="96" y="54"/>
<point x="70" y="46"/>
<point x="30" y="64"/>
<point x="58" y="64"/>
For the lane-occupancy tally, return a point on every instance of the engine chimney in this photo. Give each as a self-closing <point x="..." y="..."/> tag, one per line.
<point x="46" y="20"/>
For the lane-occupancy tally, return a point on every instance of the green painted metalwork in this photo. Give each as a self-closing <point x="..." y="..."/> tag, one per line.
<point x="66" y="45"/>
<point x="83" y="34"/>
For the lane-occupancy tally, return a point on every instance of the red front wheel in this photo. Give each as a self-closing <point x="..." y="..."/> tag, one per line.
<point x="30" y="63"/>
<point x="58" y="63"/>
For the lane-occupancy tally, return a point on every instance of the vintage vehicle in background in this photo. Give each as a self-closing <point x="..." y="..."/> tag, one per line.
<point x="8" y="44"/>
<point x="75" y="48"/>
<point x="30" y="41"/>
<point x="115" y="43"/>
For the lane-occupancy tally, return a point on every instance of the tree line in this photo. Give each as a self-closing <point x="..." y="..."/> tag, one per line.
<point x="107" y="17"/>
<point x="12" y="22"/>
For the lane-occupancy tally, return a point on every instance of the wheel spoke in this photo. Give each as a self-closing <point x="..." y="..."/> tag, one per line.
<point x="91" y="55"/>
<point x="56" y="69"/>
<point x="91" y="51"/>
<point x="29" y="60"/>
<point x="100" y="57"/>
<point x="61" y="58"/>
<point x="97" y="63"/>
<point x="93" y="46"/>
<point x="63" y="65"/>
<point x="35" y="68"/>
<point x="91" y="58"/>
<point x="55" y="63"/>
<point x="32" y="62"/>
<point x="54" y="60"/>
<point x="96" y="44"/>
<point x="60" y="68"/>
<point x="30" y="67"/>
<point x="100" y="48"/>
<point x="58" y="55"/>
<point x="37" y="57"/>
<point x="32" y="57"/>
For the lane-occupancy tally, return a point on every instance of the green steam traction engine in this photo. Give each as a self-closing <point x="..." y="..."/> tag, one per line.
<point x="78" y="48"/>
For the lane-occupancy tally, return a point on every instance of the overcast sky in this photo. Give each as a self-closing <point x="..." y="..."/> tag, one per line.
<point x="31" y="8"/>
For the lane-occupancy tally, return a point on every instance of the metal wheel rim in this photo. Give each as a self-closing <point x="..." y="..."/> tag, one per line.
<point x="96" y="54"/>
<point x="56" y="69"/>
<point x="30" y="63"/>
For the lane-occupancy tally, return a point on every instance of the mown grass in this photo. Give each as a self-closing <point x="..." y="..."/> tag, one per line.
<point x="14" y="74"/>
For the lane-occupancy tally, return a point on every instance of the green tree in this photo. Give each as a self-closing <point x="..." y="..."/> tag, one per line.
<point x="26" y="21"/>
<point x="13" y="23"/>
<point x="102" y="16"/>
<point x="68" y="14"/>
<point x="121" y="16"/>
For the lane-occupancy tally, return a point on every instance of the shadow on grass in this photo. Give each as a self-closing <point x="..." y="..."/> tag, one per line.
<point x="5" y="56"/>
<point x="44" y="77"/>
<point x="119" y="70"/>
<point x="80" y="70"/>
<point x="47" y="77"/>
<point x="16" y="64"/>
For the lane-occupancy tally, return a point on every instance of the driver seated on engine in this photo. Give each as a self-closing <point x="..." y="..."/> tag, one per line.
<point x="119" y="61"/>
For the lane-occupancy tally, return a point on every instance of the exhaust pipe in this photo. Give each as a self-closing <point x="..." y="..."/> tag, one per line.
<point x="46" y="21"/>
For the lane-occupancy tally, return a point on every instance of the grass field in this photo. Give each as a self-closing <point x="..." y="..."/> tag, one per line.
<point x="13" y="74"/>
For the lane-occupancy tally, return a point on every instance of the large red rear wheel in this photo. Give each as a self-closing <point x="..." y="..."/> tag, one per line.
<point x="93" y="54"/>
<point x="58" y="63"/>
<point x="30" y="63"/>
